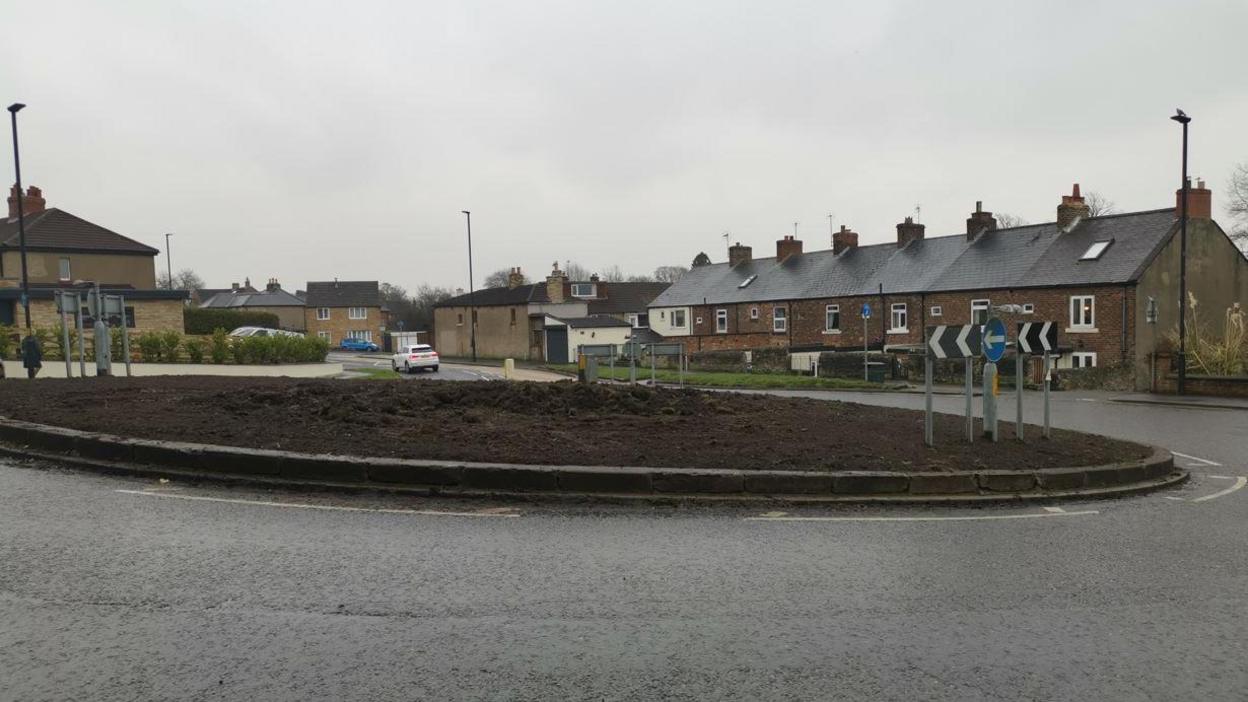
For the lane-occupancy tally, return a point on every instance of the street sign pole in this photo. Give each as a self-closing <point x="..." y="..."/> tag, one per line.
<point x="970" y="394"/>
<point x="928" y="433"/>
<point x="82" y="348"/>
<point x="990" y="400"/>
<point x="125" y="335"/>
<point x="69" y="356"/>
<point x="652" y="380"/>
<point x="1046" y="396"/>
<point x="680" y="365"/>
<point x="1020" y="360"/>
<point x="866" y="314"/>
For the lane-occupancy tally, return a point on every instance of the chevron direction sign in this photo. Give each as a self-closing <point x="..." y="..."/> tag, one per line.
<point x="954" y="341"/>
<point x="1037" y="337"/>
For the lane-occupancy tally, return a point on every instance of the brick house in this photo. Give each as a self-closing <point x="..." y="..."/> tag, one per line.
<point x="1093" y="275"/>
<point x="528" y="320"/>
<point x="346" y="309"/>
<point x="64" y="251"/>
<point x="290" y="309"/>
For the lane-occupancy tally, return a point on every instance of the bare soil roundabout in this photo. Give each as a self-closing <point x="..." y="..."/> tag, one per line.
<point x="541" y="424"/>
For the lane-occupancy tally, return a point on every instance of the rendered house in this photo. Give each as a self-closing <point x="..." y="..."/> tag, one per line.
<point x="65" y="251"/>
<point x="1092" y="275"/>
<point x="528" y="320"/>
<point x="346" y="309"/>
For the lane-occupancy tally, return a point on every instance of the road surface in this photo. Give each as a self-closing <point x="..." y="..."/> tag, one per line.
<point x="122" y="588"/>
<point x="446" y="371"/>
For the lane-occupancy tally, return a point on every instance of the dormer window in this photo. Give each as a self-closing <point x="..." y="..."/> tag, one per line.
<point x="1095" y="250"/>
<point x="748" y="281"/>
<point x="584" y="290"/>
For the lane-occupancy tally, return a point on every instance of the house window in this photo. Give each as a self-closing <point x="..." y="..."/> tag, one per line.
<point x="1029" y="308"/>
<point x="357" y="313"/>
<point x="1095" y="250"/>
<point x="513" y="316"/>
<point x="697" y="320"/>
<point x="748" y="281"/>
<point x="64" y="269"/>
<point x="678" y="319"/>
<point x="460" y="323"/>
<point x="323" y="334"/>
<point x="832" y="318"/>
<point x="322" y="314"/>
<point x="721" y="321"/>
<point x="113" y="320"/>
<point x="937" y="311"/>
<point x="1083" y="359"/>
<point x="1083" y="312"/>
<point x="779" y="320"/>
<point x="979" y="311"/>
<point x="584" y="290"/>
<point x="753" y="313"/>
<point x="362" y="334"/>
<point x="899" y="317"/>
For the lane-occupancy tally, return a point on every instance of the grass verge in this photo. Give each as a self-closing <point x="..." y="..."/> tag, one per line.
<point x="376" y="373"/>
<point x="738" y="380"/>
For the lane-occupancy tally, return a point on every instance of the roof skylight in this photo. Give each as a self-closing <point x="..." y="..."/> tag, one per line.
<point x="748" y="281"/>
<point x="1095" y="250"/>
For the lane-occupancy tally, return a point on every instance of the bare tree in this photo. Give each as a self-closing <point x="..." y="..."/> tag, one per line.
<point x="612" y="274"/>
<point x="575" y="271"/>
<point x="185" y="279"/>
<point x="501" y="278"/>
<point x="1099" y="205"/>
<point x="669" y="274"/>
<point x="1237" y="204"/>
<point x="640" y="279"/>
<point x="1005" y="220"/>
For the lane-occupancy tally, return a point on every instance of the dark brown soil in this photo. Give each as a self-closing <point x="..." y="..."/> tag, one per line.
<point x="543" y="423"/>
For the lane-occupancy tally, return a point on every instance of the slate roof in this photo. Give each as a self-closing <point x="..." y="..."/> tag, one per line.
<point x="595" y="322"/>
<point x="1032" y="256"/>
<point x="621" y="297"/>
<point x="55" y="229"/>
<point x="627" y="297"/>
<point x="265" y="298"/>
<point x="344" y="293"/>
<point x="486" y="297"/>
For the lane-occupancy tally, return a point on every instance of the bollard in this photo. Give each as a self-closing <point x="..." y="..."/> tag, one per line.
<point x="509" y="369"/>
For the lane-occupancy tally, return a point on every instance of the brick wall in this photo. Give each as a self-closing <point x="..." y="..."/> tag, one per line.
<point x="149" y="315"/>
<point x="339" y="324"/>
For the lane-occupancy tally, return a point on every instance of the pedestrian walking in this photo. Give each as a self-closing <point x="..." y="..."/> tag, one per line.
<point x="32" y="355"/>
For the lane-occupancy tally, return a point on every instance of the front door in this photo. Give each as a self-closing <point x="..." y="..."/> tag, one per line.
<point x="557" y="345"/>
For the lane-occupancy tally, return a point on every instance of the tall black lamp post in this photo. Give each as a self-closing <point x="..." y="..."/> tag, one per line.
<point x="168" y="261"/>
<point x="472" y="295"/>
<point x="21" y="215"/>
<point x="1183" y="119"/>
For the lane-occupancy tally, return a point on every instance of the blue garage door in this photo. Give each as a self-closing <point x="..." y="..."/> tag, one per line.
<point x="557" y="345"/>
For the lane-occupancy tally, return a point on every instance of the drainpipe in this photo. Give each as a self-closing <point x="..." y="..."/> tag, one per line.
<point x="1123" y="354"/>
<point x="883" y="323"/>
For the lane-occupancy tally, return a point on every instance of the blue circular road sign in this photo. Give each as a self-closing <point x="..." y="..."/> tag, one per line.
<point x="866" y="311"/>
<point x="994" y="340"/>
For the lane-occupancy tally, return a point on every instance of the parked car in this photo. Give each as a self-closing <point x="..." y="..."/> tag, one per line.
<point x="413" y="358"/>
<point x="358" y="345"/>
<point x="244" y="332"/>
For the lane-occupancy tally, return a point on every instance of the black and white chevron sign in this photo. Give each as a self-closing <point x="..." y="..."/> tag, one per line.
<point x="954" y="341"/>
<point x="1037" y="337"/>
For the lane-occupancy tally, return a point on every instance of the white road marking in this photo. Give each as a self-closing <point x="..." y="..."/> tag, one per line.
<point x="295" y="505"/>
<point x="989" y="517"/>
<point x="1085" y="399"/>
<point x="1172" y="497"/>
<point x="773" y="514"/>
<point x="1240" y="482"/>
<point x="1203" y="461"/>
<point x="1054" y="510"/>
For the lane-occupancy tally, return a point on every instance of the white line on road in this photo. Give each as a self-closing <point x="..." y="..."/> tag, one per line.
<point x="1172" y="497"/>
<point x="420" y="512"/>
<point x="1240" y="482"/>
<point x="1205" y="461"/>
<point x="989" y="517"/>
<point x="1054" y="510"/>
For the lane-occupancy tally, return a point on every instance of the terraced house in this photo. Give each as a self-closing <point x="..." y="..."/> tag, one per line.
<point x="345" y="309"/>
<point x="1095" y="276"/>
<point x="65" y="251"/>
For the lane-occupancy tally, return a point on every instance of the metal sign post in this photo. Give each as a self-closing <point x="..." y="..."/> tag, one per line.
<point x="970" y="394"/>
<point x="677" y="350"/>
<point x="1038" y="337"/>
<point x="994" y="349"/>
<point x="125" y="334"/>
<point x="928" y="431"/>
<point x="82" y="348"/>
<point x="866" y="314"/>
<point x="632" y="349"/>
<point x="1046" y="396"/>
<point x="953" y="342"/>
<point x="66" y="301"/>
<point x="1020" y="360"/>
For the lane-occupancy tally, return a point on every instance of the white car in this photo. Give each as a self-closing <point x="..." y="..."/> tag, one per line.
<point x="244" y="332"/>
<point x="413" y="358"/>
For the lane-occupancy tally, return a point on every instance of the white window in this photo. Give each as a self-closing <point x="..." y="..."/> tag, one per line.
<point x="937" y="311"/>
<point x="721" y="321"/>
<point x="979" y="311"/>
<point x="1095" y="250"/>
<point x="584" y="290"/>
<point x="363" y="334"/>
<point x="697" y="320"/>
<point x="64" y="269"/>
<point x="1029" y="308"/>
<point x="1083" y="359"/>
<point x="323" y="334"/>
<point x="678" y="319"/>
<point x="753" y="313"/>
<point x="832" y="318"/>
<point x="748" y="281"/>
<point x="357" y="313"/>
<point x="899" y="317"/>
<point x="779" y="320"/>
<point x="322" y="314"/>
<point x="1083" y="312"/>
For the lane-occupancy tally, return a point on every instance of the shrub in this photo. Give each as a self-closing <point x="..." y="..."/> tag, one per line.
<point x="219" y="347"/>
<point x="170" y="341"/>
<point x="1206" y="352"/>
<point x="197" y="320"/>
<point x="8" y="341"/>
<point x="195" y="350"/>
<point x="150" y="347"/>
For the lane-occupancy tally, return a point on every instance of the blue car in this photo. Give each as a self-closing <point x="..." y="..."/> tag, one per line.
<point x="359" y="345"/>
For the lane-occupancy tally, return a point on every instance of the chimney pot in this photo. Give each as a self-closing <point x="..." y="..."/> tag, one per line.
<point x="844" y="240"/>
<point x="1199" y="202"/>
<point x="788" y="246"/>
<point x="908" y="231"/>
<point x="979" y="221"/>
<point x="1072" y="209"/>
<point x="738" y="254"/>
<point x="32" y="201"/>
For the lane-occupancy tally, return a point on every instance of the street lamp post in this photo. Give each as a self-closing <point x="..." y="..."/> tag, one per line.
<point x="21" y="215"/>
<point x="168" y="261"/>
<point x="472" y="296"/>
<point x="1183" y="119"/>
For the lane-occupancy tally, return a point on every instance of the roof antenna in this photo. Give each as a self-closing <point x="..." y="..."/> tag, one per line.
<point x="831" y="228"/>
<point x="726" y="235"/>
<point x="918" y="211"/>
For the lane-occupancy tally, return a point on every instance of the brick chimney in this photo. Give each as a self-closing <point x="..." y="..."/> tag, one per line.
<point x="32" y="203"/>
<point x="738" y="254"/>
<point x="979" y="221"/>
<point x="554" y="284"/>
<point x="1072" y="209"/>
<point x="1199" y="202"/>
<point x="233" y="287"/>
<point x="788" y="246"/>
<point x="844" y="239"/>
<point x="272" y="285"/>
<point x="515" y="278"/>
<point x="909" y="231"/>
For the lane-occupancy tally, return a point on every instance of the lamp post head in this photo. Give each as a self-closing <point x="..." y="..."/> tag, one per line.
<point x="15" y="107"/>
<point x="465" y="211"/>
<point x="1181" y="117"/>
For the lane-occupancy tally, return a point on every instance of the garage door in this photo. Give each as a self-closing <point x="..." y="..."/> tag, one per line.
<point x="557" y="345"/>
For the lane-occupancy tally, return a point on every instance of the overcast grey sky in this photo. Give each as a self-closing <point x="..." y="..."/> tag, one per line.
<point x="308" y="140"/>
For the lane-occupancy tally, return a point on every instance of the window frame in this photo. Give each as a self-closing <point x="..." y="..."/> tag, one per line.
<point x="1085" y="355"/>
<point x="754" y="313"/>
<point x="323" y="334"/>
<point x="322" y="314"/>
<point x="357" y="313"/>
<point x="832" y="313"/>
<point x="936" y="311"/>
<point x="1096" y="249"/>
<point x="721" y="321"/>
<point x="593" y="289"/>
<point x="64" y="271"/>
<point x="684" y="319"/>
<point x="779" y="320"/>
<point x="1081" y="325"/>
<point x="986" y="308"/>
<point x="893" y="309"/>
<point x="1029" y="308"/>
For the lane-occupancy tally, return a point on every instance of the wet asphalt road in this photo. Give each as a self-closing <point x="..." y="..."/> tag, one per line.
<point x="446" y="371"/>
<point x="119" y="588"/>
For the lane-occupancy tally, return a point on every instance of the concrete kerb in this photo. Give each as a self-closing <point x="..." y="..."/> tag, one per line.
<point x="209" y="462"/>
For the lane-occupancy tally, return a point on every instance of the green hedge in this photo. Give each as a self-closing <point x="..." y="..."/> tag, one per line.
<point x="203" y="321"/>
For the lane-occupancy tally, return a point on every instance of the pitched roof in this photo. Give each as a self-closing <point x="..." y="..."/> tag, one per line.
<point x="595" y="322"/>
<point x="266" y="298"/>
<point x="1038" y="255"/>
<point x="521" y="295"/>
<point x="626" y="297"/>
<point x="621" y="297"/>
<point x="59" y="230"/>
<point x="344" y="293"/>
